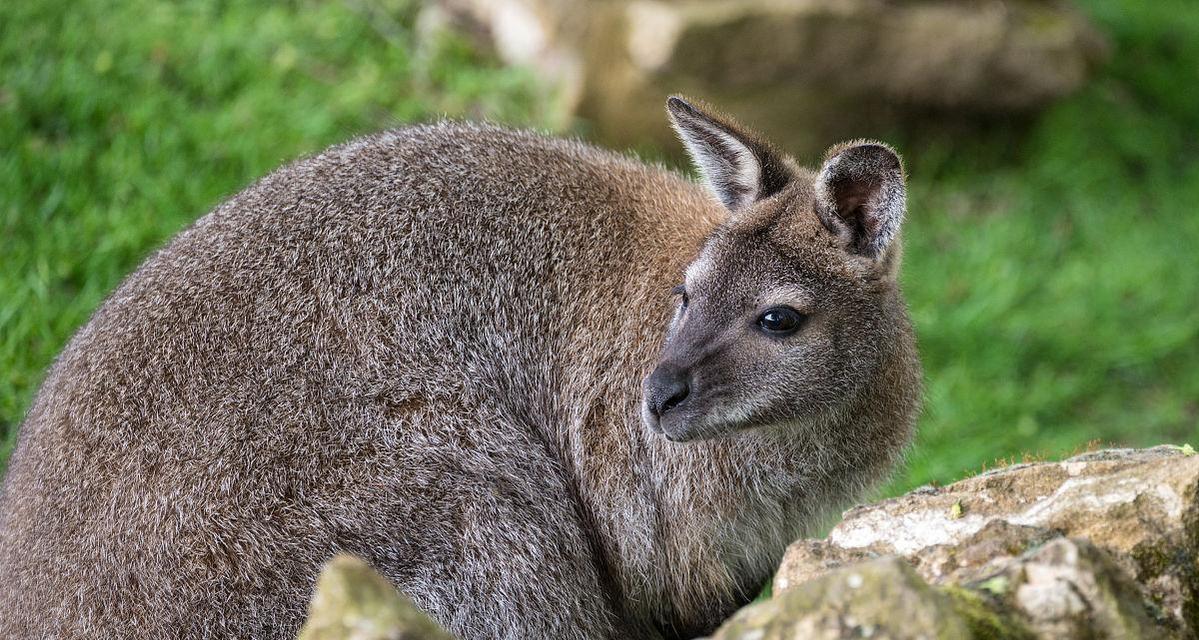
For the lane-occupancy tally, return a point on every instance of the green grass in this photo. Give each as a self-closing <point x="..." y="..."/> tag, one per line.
<point x="1054" y="275"/>
<point x="121" y="121"/>
<point x="1052" y="271"/>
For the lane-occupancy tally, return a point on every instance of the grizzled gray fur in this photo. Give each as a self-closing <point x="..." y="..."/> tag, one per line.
<point x="454" y="351"/>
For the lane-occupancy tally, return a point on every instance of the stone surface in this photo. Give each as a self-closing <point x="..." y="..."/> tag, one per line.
<point x="808" y="559"/>
<point x="352" y="602"/>
<point x="1104" y="543"/>
<point x="807" y="72"/>
<point x="1069" y="588"/>
<point x="881" y="598"/>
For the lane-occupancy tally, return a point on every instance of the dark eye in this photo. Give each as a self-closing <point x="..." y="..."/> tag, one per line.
<point x="681" y="291"/>
<point x="780" y="321"/>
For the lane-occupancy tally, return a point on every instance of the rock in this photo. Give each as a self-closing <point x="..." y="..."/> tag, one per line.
<point x="352" y="602"/>
<point x="980" y="555"/>
<point x="808" y="559"/>
<point x="1105" y="541"/>
<point x="881" y="598"/>
<point x="1070" y="589"/>
<point x="807" y="72"/>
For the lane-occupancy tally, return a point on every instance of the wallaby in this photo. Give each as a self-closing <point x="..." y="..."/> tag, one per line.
<point x="454" y="351"/>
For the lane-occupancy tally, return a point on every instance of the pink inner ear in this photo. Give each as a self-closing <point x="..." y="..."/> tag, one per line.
<point x="853" y="202"/>
<point x="862" y="196"/>
<point x="851" y="196"/>
<point x="854" y="198"/>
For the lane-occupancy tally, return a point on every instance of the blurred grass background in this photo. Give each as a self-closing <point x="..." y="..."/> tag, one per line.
<point x="1051" y="267"/>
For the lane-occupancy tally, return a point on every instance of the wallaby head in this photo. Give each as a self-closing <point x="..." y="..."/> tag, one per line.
<point x="783" y="315"/>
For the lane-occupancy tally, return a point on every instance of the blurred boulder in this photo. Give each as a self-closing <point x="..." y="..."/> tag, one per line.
<point x="352" y="602"/>
<point x="806" y="72"/>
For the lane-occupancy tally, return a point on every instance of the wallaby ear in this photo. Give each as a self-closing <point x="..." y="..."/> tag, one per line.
<point x="861" y="197"/>
<point x="738" y="168"/>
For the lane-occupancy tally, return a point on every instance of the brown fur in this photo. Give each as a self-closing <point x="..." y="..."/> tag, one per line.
<point x="426" y="347"/>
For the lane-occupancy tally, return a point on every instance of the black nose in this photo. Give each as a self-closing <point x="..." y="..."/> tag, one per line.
<point x="668" y="388"/>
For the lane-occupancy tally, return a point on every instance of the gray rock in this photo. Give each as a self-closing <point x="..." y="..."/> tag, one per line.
<point x="1068" y="588"/>
<point x="809" y="559"/>
<point x="1104" y="543"/>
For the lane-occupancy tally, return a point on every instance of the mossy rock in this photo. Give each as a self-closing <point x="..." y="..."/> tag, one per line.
<point x="883" y="599"/>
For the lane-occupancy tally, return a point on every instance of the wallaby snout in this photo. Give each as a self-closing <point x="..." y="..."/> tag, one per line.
<point x="665" y="390"/>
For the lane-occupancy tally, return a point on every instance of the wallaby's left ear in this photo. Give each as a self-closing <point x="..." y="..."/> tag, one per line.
<point x="861" y="197"/>
<point x="738" y="168"/>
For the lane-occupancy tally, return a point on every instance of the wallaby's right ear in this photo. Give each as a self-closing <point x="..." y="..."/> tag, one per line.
<point x="861" y="196"/>
<point x="737" y="167"/>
